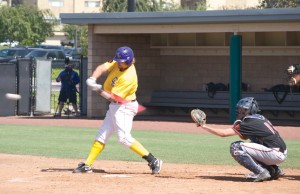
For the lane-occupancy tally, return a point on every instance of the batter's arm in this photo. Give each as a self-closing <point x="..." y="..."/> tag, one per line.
<point x="219" y="132"/>
<point x="100" y="70"/>
<point x="92" y="80"/>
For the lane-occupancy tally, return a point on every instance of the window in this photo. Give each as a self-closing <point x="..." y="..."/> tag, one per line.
<point x="56" y="3"/>
<point x="92" y="3"/>
<point x="60" y="55"/>
<point x="51" y="55"/>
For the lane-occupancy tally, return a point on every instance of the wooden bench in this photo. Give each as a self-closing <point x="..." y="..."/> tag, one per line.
<point x="188" y="100"/>
<point x="268" y="102"/>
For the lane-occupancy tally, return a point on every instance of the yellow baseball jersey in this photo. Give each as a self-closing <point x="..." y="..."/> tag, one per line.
<point x="121" y="83"/>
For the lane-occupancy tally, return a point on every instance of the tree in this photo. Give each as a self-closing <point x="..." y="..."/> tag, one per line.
<point x="277" y="4"/>
<point x="114" y="6"/>
<point x="84" y="40"/>
<point x="26" y="25"/>
<point x="201" y="6"/>
<point x="141" y="6"/>
<point x="71" y="32"/>
<point x="79" y="34"/>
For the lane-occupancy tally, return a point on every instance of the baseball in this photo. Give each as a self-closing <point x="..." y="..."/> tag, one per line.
<point x="13" y="96"/>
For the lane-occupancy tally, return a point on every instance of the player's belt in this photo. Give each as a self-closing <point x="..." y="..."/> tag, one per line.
<point x="123" y="103"/>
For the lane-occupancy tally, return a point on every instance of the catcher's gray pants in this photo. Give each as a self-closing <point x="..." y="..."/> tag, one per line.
<point x="263" y="154"/>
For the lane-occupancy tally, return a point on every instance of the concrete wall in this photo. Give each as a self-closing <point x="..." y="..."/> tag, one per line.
<point x="178" y="72"/>
<point x="192" y="72"/>
<point x="102" y="48"/>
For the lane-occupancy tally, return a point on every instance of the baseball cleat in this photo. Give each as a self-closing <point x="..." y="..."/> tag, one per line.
<point x="155" y="165"/>
<point x="281" y="172"/>
<point x="263" y="176"/>
<point x="83" y="168"/>
<point x="275" y="172"/>
<point x="251" y="176"/>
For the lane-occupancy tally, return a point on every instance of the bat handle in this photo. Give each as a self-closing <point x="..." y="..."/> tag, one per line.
<point x="105" y="94"/>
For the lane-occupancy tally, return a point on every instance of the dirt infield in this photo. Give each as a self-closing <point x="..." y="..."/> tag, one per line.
<point x="35" y="175"/>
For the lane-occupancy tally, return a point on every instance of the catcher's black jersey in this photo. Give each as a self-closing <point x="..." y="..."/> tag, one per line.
<point x="260" y="130"/>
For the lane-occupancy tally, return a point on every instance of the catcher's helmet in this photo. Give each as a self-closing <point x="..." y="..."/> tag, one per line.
<point x="246" y="106"/>
<point x="124" y="54"/>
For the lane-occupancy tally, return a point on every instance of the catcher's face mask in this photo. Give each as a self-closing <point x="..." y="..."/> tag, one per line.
<point x="240" y="113"/>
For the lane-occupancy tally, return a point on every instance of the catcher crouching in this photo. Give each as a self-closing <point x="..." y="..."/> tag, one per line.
<point x="266" y="149"/>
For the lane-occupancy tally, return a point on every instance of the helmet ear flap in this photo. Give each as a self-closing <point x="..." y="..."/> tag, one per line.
<point x="128" y="61"/>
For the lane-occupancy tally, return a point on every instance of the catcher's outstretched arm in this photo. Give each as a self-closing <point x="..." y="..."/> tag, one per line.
<point x="199" y="118"/>
<point x="219" y="132"/>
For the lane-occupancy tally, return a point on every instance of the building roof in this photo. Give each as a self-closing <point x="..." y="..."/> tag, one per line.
<point x="184" y="17"/>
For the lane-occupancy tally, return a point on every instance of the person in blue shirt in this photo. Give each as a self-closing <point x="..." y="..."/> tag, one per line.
<point x="69" y="79"/>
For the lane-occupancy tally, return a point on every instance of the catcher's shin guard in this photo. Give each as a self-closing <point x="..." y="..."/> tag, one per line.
<point x="244" y="159"/>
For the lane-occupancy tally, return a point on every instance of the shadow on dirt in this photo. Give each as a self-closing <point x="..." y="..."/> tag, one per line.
<point x="292" y="178"/>
<point x="243" y="179"/>
<point x="94" y="171"/>
<point x="226" y="178"/>
<point x="69" y="170"/>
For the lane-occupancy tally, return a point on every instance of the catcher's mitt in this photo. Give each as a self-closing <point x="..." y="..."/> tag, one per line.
<point x="199" y="117"/>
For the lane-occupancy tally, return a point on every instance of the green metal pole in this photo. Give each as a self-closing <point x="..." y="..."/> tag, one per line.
<point x="235" y="73"/>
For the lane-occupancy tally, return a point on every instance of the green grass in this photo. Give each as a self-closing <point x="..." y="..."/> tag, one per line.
<point x="3" y="47"/>
<point x="73" y="142"/>
<point x="55" y="73"/>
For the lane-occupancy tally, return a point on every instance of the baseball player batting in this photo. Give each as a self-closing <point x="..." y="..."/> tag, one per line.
<point x="266" y="149"/>
<point x="121" y="81"/>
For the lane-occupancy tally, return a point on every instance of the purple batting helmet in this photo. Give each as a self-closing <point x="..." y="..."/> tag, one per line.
<point x="124" y="54"/>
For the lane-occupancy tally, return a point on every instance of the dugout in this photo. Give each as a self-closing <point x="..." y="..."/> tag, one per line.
<point x="185" y="50"/>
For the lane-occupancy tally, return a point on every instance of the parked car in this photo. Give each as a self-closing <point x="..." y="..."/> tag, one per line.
<point x="6" y="55"/>
<point x="73" y="53"/>
<point x="45" y="46"/>
<point x="39" y="53"/>
<point x="54" y="54"/>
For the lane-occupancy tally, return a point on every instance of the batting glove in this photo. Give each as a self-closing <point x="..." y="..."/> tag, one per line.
<point x="91" y="82"/>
